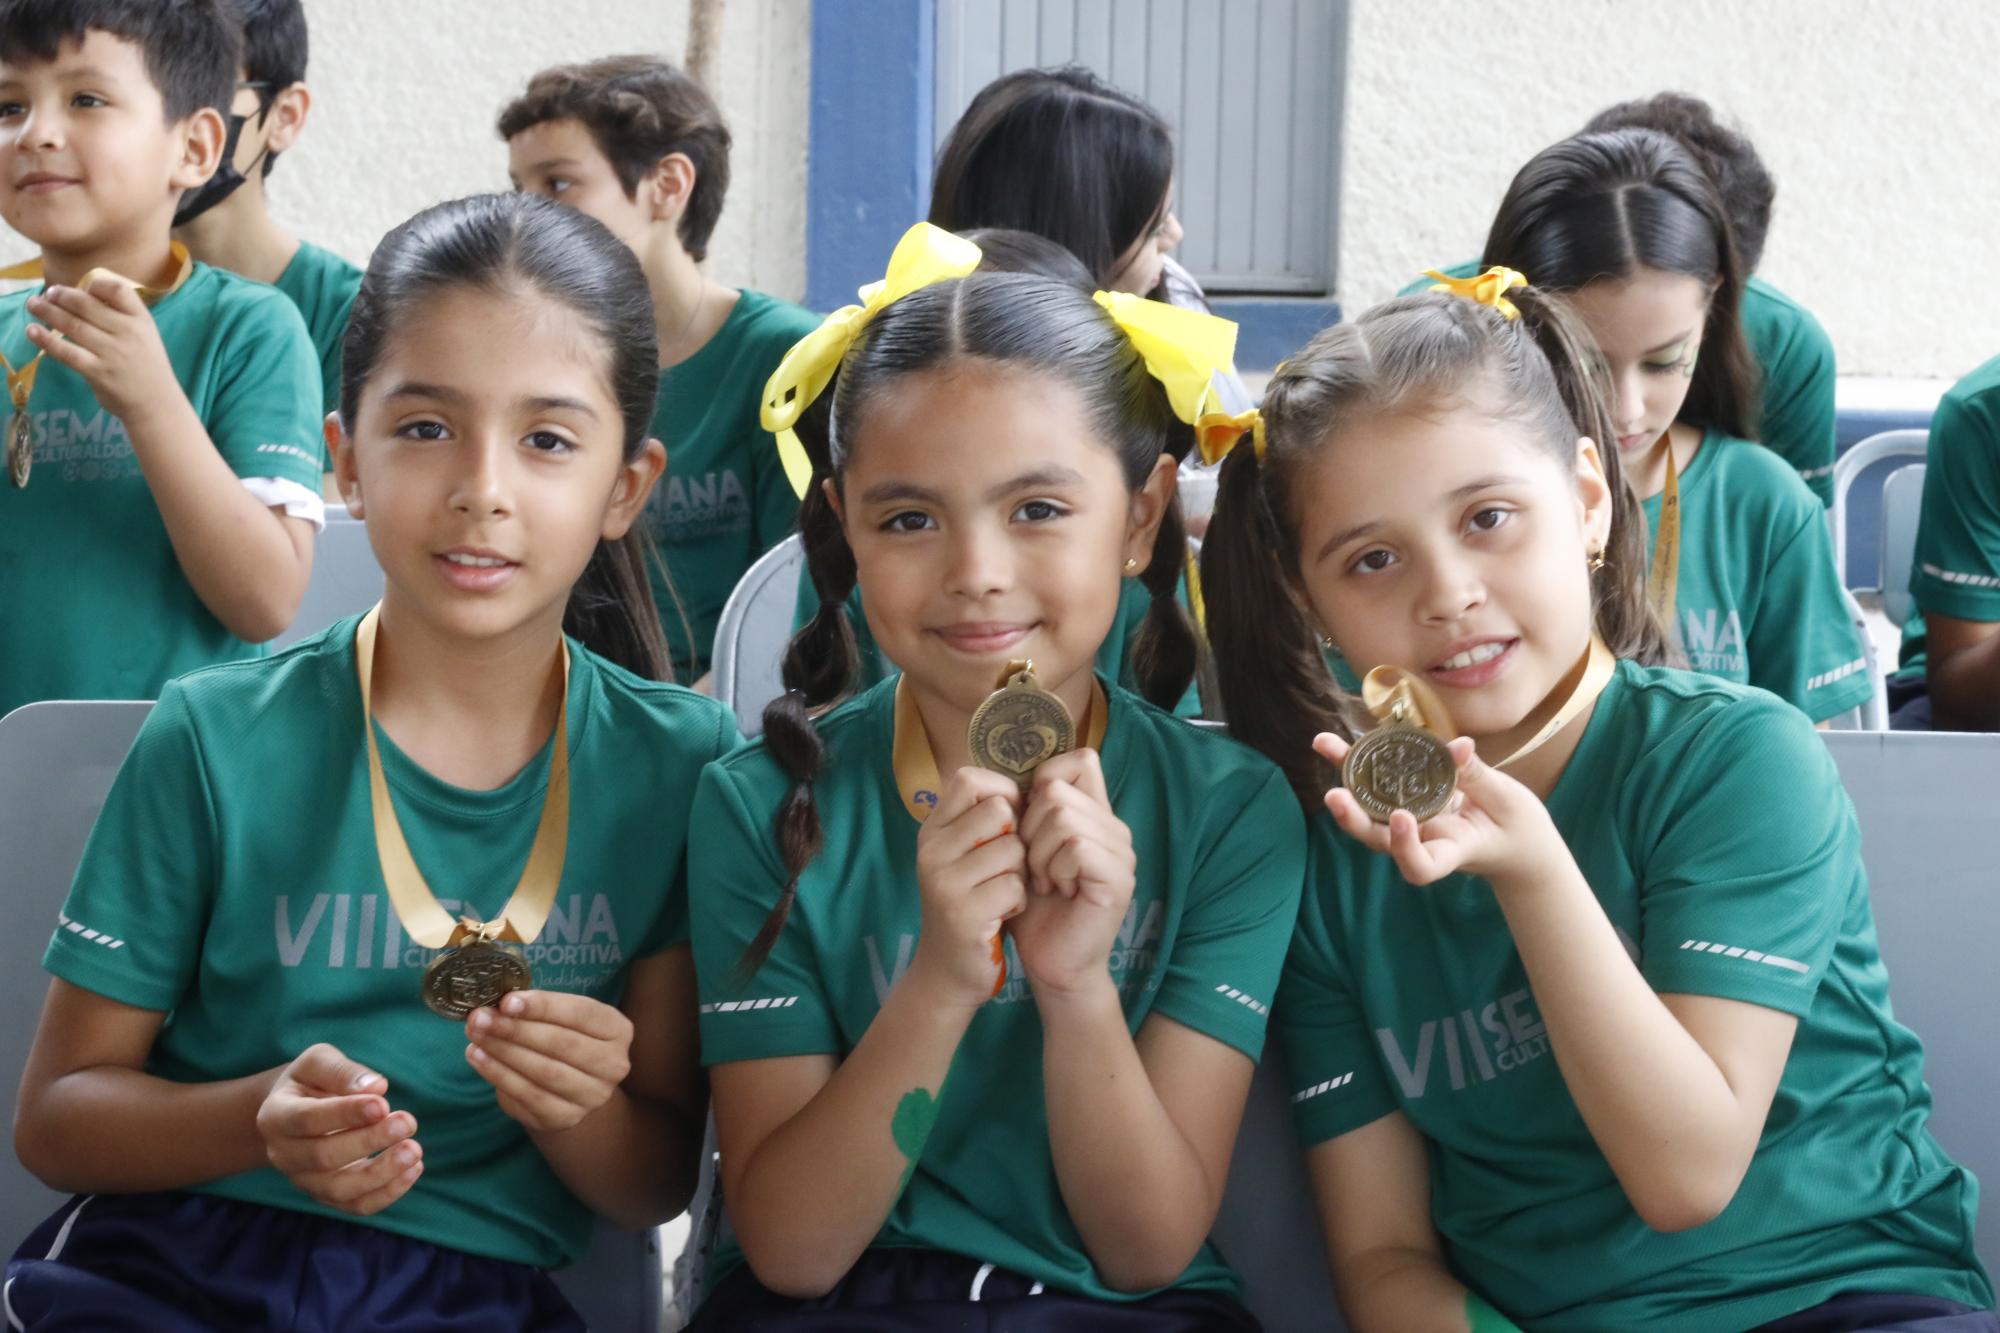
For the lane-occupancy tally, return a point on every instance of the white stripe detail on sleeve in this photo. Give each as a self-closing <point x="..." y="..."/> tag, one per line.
<point x="1747" y="955"/>
<point x="94" y="936"/>
<point x="1955" y="576"/>
<point x="1838" y="673"/>
<point x="742" y="1006"/>
<point x="1321" y="1089"/>
<point x="1241" y="998"/>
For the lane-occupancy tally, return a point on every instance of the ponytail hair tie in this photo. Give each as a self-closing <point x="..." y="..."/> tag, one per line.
<point x="925" y="255"/>
<point x="1191" y="353"/>
<point x="1488" y="289"/>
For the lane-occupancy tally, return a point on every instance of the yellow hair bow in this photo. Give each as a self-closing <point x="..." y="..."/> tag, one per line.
<point x="1187" y="351"/>
<point x="1489" y="288"/>
<point x="925" y="255"/>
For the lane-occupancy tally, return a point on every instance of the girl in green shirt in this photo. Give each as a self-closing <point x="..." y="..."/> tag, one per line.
<point x="1604" y="1042"/>
<point x="979" y="1043"/>
<point x="1628" y="224"/>
<point x="274" y="1057"/>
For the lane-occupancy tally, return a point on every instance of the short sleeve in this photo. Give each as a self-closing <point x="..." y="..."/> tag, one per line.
<point x="1804" y="646"/>
<point x="132" y="927"/>
<point x="265" y="415"/>
<point x="1798" y="403"/>
<point x="1957" y="568"/>
<point x="1338" y="1082"/>
<point x="734" y="878"/>
<point x="671" y="930"/>
<point x="1747" y="908"/>
<point x="1242" y="901"/>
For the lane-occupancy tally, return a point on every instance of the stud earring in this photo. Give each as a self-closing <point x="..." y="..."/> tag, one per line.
<point x="1596" y="561"/>
<point x="1131" y="563"/>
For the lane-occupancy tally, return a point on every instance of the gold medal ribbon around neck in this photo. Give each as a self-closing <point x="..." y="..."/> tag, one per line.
<point x="1386" y="689"/>
<point x="21" y="382"/>
<point x="416" y="906"/>
<point x="1663" y="578"/>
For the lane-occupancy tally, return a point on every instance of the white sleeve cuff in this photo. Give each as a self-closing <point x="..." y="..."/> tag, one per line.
<point x="297" y="500"/>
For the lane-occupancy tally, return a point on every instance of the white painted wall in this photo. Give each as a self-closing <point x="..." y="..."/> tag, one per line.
<point x="1879" y="118"/>
<point x="406" y="92"/>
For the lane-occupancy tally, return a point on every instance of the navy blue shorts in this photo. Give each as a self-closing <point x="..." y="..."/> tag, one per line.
<point x="193" y="1263"/>
<point x="1885" y="1312"/>
<point x="918" y="1291"/>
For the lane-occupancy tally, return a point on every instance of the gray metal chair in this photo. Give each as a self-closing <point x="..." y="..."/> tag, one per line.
<point x="345" y="579"/>
<point x="1911" y="445"/>
<point x="1902" y="510"/>
<point x="1933" y="868"/>
<point x="750" y="639"/>
<point x="1872" y="714"/>
<point x="57" y="761"/>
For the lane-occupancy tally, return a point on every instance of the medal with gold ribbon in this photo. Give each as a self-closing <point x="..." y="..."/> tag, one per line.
<point x="480" y="960"/>
<point x="1020" y="726"/>
<point x="1404" y="763"/>
<point x="1663" y="576"/>
<point x="21" y="383"/>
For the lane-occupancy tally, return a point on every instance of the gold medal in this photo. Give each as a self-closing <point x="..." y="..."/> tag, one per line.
<point x="1400" y="766"/>
<point x="20" y="447"/>
<point x="1020" y="726"/>
<point x="481" y="961"/>
<point x="472" y="977"/>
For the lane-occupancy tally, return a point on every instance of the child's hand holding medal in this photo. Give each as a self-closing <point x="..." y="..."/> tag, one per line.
<point x="972" y="877"/>
<point x="1079" y="857"/>
<point x="551" y="1057"/>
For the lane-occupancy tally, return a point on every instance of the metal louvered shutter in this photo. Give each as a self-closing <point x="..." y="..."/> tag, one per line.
<point x="1252" y="88"/>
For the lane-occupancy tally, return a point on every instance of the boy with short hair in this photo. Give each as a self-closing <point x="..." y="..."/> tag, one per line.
<point x="162" y="427"/>
<point x="228" y="223"/>
<point x="641" y="147"/>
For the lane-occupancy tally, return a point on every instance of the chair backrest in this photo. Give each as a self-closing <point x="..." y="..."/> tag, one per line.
<point x="750" y="639"/>
<point x="1933" y="866"/>
<point x="345" y="579"/>
<point x="1847" y="469"/>
<point x="56" y="764"/>
<point x="1872" y="714"/>
<point x="1902" y="508"/>
<point x="57" y="761"/>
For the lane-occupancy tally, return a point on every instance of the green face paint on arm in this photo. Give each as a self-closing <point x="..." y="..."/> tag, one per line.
<point x="911" y="1128"/>
<point x="1483" y="1318"/>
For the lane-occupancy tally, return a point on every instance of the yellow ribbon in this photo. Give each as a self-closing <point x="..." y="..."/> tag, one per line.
<point x="925" y="255"/>
<point x="1395" y="695"/>
<point x="1185" y="350"/>
<point x="1489" y="288"/>
<point x="183" y="267"/>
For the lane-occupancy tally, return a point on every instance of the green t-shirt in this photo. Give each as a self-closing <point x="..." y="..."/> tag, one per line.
<point x="724" y="500"/>
<point x="1796" y="412"/>
<point x="1114" y="656"/>
<point x="1956" y="572"/>
<point x="1416" y="1000"/>
<point x="232" y="882"/>
<point x="1219" y="870"/>
<point x="322" y="285"/>
<point x="93" y="599"/>
<point x="1759" y="600"/>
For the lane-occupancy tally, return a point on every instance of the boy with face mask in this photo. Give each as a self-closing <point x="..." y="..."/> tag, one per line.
<point x="227" y="222"/>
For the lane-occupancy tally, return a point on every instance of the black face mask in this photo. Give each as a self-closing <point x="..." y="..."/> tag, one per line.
<point x="227" y="178"/>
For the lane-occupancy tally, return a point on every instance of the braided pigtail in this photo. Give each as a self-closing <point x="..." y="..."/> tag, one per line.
<point x="820" y="667"/>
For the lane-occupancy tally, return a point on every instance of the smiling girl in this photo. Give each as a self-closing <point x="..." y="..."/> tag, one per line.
<point x="974" y="1040"/>
<point x="236" y="1066"/>
<point x="1625" y="1059"/>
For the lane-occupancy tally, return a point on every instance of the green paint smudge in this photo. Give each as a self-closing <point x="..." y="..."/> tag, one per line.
<point x="916" y="1115"/>
<point x="1483" y="1318"/>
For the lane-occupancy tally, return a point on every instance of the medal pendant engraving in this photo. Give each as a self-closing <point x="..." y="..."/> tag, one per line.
<point x="20" y="448"/>
<point x="1400" y="766"/>
<point x="472" y="977"/>
<point x="1020" y="726"/>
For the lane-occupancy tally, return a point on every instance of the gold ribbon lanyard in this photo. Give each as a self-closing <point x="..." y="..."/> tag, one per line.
<point x="424" y="920"/>
<point x="1663" y="577"/>
<point x="21" y="383"/>
<point x="1403" y="763"/>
